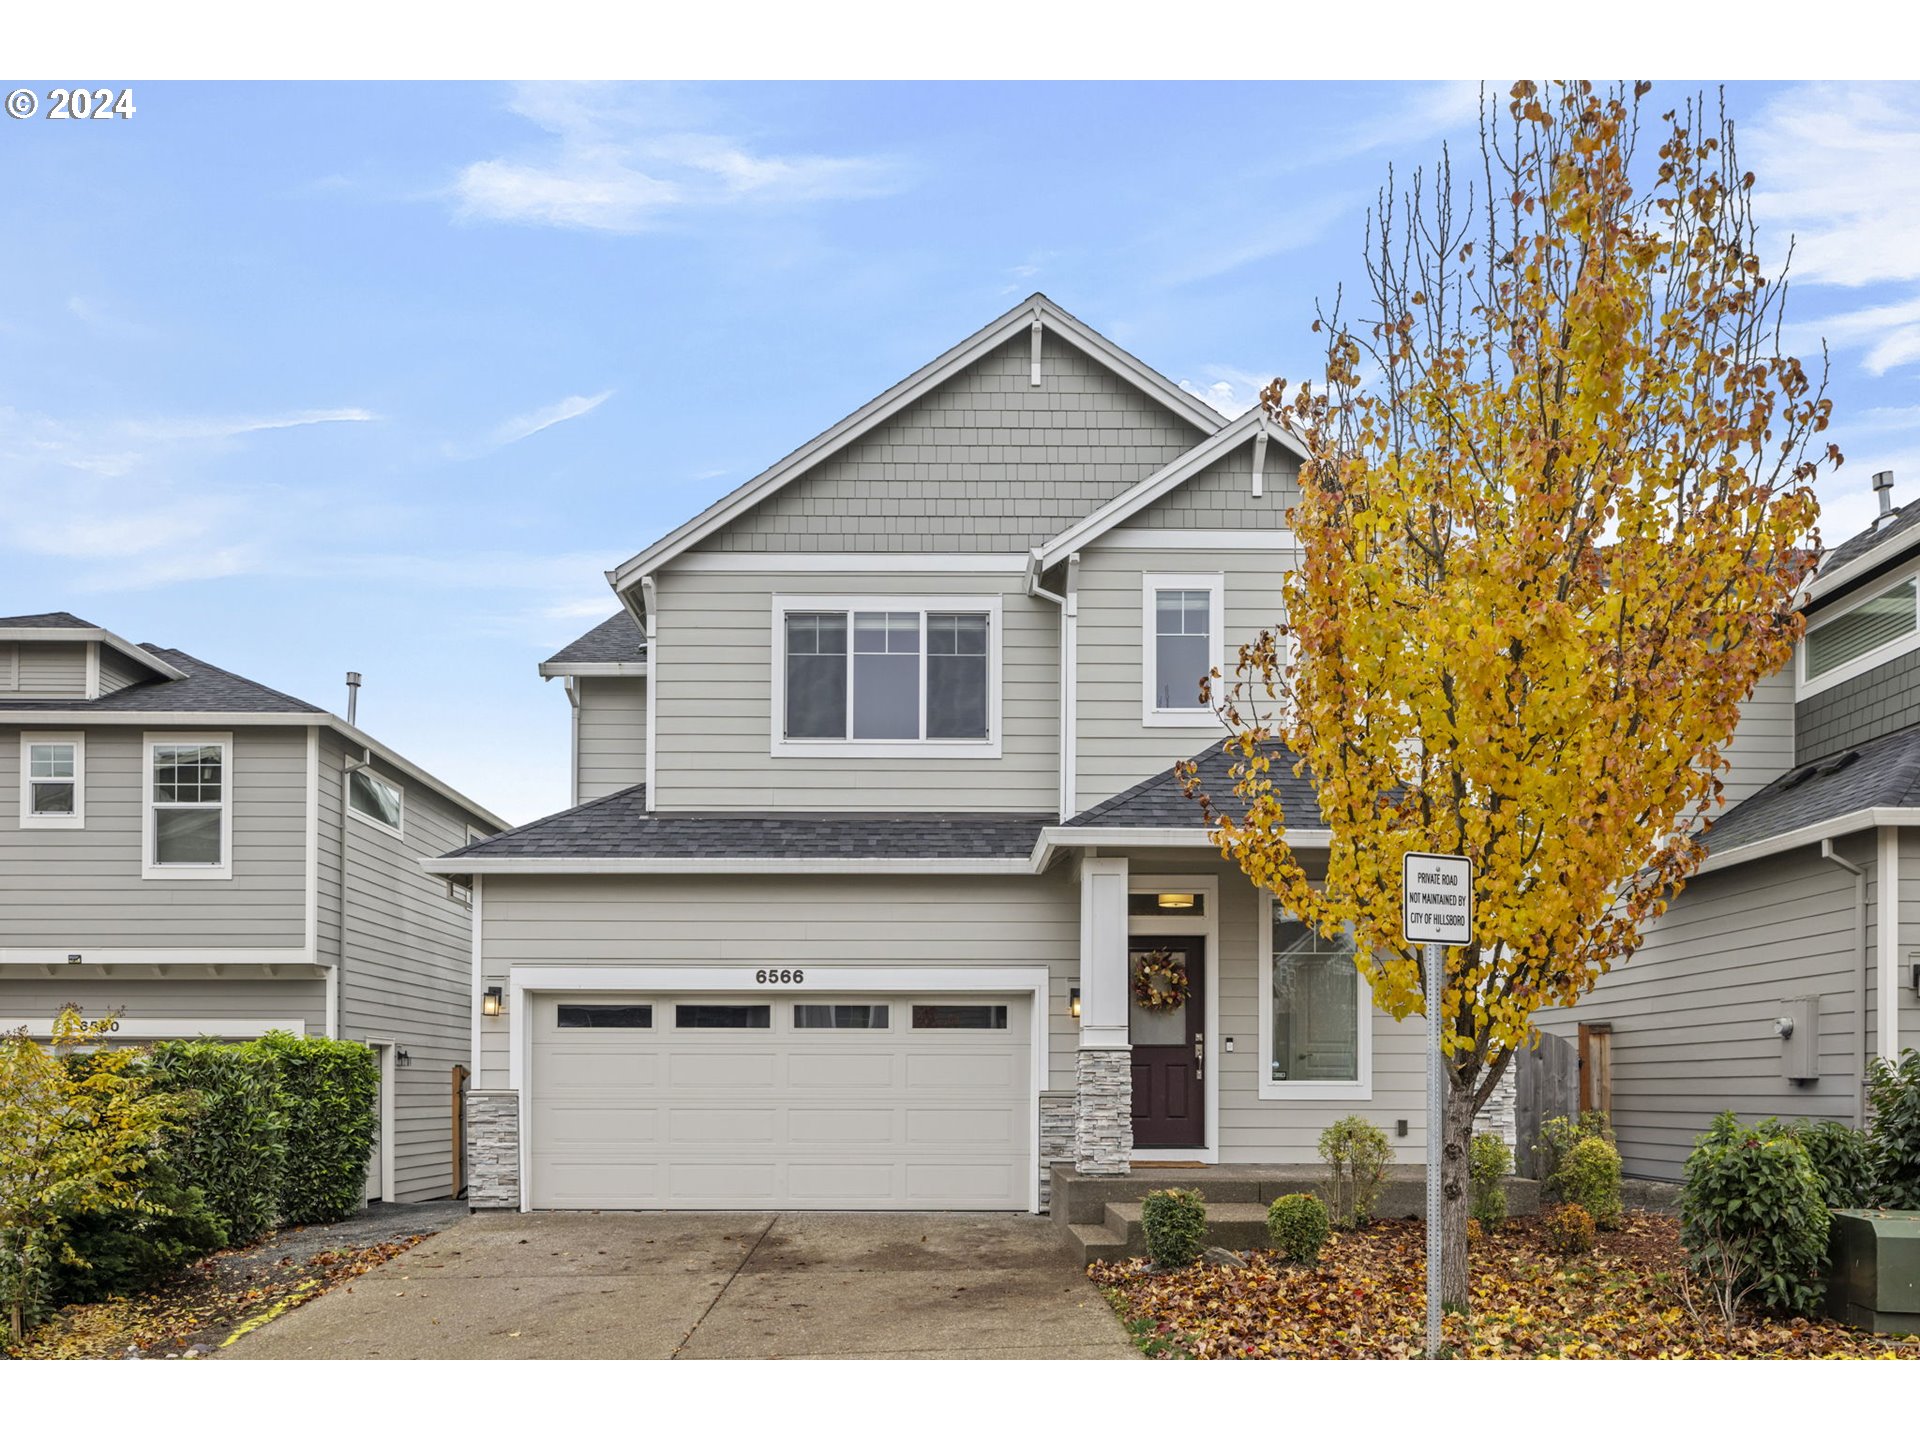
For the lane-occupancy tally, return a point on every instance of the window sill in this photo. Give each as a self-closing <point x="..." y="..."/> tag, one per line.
<point x="53" y="822"/>
<point x="380" y="825"/>
<point x="186" y="872"/>
<point x="1316" y="1090"/>
<point x="885" y="749"/>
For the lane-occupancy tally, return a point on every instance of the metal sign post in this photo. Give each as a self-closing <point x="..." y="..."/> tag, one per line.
<point x="1436" y="910"/>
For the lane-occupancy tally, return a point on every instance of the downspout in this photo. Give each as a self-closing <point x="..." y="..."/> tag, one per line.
<point x="573" y="740"/>
<point x="1069" y="627"/>
<point x="1887" y="947"/>
<point x="1827" y="852"/>
<point x="347" y="766"/>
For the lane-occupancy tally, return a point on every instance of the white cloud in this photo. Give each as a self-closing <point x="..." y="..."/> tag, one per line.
<point x="534" y="421"/>
<point x="1232" y="392"/>
<point x="619" y="160"/>
<point x="208" y="428"/>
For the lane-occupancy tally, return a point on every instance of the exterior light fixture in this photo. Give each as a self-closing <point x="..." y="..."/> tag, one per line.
<point x="490" y="1001"/>
<point x="1180" y="901"/>
<point x="401" y="1057"/>
<point x="1073" y="1002"/>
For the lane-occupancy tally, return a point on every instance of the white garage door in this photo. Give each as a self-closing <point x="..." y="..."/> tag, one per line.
<point x="827" y="1102"/>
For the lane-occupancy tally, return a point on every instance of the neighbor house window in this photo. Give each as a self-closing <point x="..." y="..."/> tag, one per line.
<point x="189" y="817"/>
<point x="1181" y="620"/>
<point x="874" y="676"/>
<point x="375" y="799"/>
<point x="1316" y="1027"/>
<point x="1859" y="632"/>
<point x="52" y="781"/>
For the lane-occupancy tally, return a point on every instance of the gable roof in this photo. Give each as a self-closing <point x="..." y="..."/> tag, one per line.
<point x="616" y="646"/>
<point x="69" y="626"/>
<point x="1169" y="477"/>
<point x="1862" y="554"/>
<point x="617" y="833"/>
<point x="891" y="401"/>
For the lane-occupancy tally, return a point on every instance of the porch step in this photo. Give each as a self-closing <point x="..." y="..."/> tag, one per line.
<point x="1095" y="1242"/>
<point x="1231" y="1226"/>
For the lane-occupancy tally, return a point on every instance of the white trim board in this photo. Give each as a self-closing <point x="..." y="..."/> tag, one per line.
<point x="95" y="955"/>
<point x="1848" y="824"/>
<point x="1196" y="540"/>
<point x="1034" y="981"/>
<point x="866" y="562"/>
<point x="898" y="397"/>
<point x="127" y="1028"/>
<point x="723" y="865"/>
<point x="1122" y="838"/>
<point x="595" y="669"/>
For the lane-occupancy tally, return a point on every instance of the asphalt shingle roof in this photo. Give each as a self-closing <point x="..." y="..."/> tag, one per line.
<point x="614" y="640"/>
<point x="52" y="620"/>
<point x="1161" y="801"/>
<point x="1880" y="772"/>
<point x="207" y="689"/>
<point x="618" y="826"/>
<point x="1845" y="553"/>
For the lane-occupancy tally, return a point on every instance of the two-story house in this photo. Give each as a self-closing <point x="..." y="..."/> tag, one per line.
<point x="192" y="853"/>
<point x="879" y="890"/>
<point x="1793" y="958"/>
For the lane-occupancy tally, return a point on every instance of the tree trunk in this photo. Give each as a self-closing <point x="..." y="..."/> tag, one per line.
<point x="19" y="1326"/>
<point x="1456" y="1138"/>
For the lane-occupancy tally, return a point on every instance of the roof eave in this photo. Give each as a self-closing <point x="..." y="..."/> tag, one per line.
<point x="139" y="654"/>
<point x="724" y="865"/>
<point x="551" y="669"/>
<point x="1871" y="818"/>
<point x="1056" y="838"/>
<point x="1862" y="565"/>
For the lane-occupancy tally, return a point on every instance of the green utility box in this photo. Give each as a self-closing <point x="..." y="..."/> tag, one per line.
<point x="1874" y="1260"/>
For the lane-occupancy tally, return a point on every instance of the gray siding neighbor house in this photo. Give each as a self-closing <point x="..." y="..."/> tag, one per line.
<point x="1793" y="958"/>
<point x="196" y="854"/>
<point x="876" y="826"/>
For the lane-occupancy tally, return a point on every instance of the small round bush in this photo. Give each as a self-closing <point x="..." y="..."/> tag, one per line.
<point x="1590" y="1178"/>
<point x="1488" y="1163"/>
<point x="1298" y="1224"/>
<point x="1357" y="1153"/>
<point x="1570" y="1229"/>
<point x="1176" y="1226"/>
<point x="1753" y="1217"/>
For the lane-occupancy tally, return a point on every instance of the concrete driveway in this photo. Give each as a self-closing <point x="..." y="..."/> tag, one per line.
<point x="657" y="1286"/>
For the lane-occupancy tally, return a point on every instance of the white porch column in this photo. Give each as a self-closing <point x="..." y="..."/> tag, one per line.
<point x="1103" y="1075"/>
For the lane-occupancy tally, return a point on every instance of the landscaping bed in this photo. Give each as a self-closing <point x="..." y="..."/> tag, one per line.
<point x="223" y="1296"/>
<point x="1367" y="1300"/>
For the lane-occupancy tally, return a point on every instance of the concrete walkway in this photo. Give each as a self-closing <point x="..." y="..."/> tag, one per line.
<point x="656" y="1286"/>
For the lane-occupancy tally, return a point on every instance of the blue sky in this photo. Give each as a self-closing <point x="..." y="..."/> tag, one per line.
<point x="304" y="378"/>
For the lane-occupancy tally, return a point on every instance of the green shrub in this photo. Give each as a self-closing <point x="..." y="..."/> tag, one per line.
<point x="233" y="1147"/>
<point x="328" y="1088"/>
<point x="1570" y="1229"/>
<point x="125" y="1250"/>
<point x="1488" y="1163"/>
<point x="1590" y="1178"/>
<point x="1753" y="1219"/>
<point x="1843" y="1161"/>
<point x="1894" y="1090"/>
<point x="1298" y="1225"/>
<point x="1557" y="1138"/>
<point x="1357" y="1153"/>
<point x="1176" y="1226"/>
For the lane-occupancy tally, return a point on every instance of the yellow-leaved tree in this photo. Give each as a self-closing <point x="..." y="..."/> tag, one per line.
<point x="1557" y="506"/>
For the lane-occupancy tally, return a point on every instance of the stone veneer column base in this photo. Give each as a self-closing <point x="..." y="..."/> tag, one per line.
<point x="1103" y="1112"/>
<point x="493" y="1149"/>
<point x="1056" y="1138"/>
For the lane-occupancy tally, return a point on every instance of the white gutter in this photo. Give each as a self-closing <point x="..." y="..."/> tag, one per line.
<point x="1854" y="569"/>
<point x="722" y="865"/>
<point x="1075" y="837"/>
<point x="1813" y="834"/>
<point x="592" y="668"/>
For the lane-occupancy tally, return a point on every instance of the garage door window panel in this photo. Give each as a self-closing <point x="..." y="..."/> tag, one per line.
<point x="723" y="1017"/>
<point x="606" y="1017"/>
<point x="840" y="1017"/>
<point x="959" y="1017"/>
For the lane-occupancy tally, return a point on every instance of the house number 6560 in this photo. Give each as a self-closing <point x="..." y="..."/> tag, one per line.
<point x="780" y="977"/>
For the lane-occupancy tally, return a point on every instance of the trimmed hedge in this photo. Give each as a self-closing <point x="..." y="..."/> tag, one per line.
<point x="328" y="1089"/>
<point x="1298" y="1225"/>
<point x="117" y="1252"/>
<point x="1175" y="1222"/>
<point x="234" y="1145"/>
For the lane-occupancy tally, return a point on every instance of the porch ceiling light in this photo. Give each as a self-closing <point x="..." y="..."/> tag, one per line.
<point x="490" y="1001"/>
<point x="1176" y="901"/>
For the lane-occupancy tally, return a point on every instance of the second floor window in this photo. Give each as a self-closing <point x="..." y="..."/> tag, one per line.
<point x="375" y="799"/>
<point x="1182" y="622"/>
<point x="52" y="780"/>
<point x="188" y="817"/>
<point x="1865" y="630"/>
<point x="887" y="674"/>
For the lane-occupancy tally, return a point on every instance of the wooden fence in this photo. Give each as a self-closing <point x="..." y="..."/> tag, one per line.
<point x="1546" y="1083"/>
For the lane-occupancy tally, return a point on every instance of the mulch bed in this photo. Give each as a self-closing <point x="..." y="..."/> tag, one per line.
<point x="1367" y="1300"/>
<point x="208" y="1306"/>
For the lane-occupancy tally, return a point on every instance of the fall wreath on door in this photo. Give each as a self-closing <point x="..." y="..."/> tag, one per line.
<point x="1160" y="980"/>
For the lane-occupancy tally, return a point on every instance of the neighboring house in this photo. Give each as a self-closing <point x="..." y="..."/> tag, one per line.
<point x="876" y="819"/>
<point x="1787" y="920"/>
<point x="196" y="854"/>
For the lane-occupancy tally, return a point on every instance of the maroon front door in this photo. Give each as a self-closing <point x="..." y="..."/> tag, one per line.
<point x="1169" y="1051"/>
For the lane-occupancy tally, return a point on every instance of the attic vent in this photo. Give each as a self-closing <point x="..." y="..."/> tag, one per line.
<point x="1799" y="777"/>
<point x="1839" y="763"/>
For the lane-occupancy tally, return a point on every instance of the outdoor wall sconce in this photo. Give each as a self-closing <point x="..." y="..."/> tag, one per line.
<point x="1176" y="902"/>
<point x="402" y="1058"/>
<point x="1073" y="1002"/>
<point x="490" y="1001"/>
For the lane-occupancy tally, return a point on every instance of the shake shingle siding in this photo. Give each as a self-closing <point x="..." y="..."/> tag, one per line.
<point x="1221" y="496"/>
<point x="987" y="462"/>
<point x="1885" y="699"/>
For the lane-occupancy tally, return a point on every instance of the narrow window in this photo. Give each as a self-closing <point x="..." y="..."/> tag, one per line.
<point x="816" y="677"/>
<point x="956" y="677"/>
<point x="1865" y="628"/>
<point x="886" y="675"/>
<point x="959" y="1017"/>
<point x="378" y="800"/>
<point x="1182" y="647"/>
<point x="723" y="1017"/>
<point x="1316" y="1005"/>
<point x="53" y="773"/>
<point x="839" y="1017"/>
<point x="606" y="1017"/>
<point x="189" y="805"/>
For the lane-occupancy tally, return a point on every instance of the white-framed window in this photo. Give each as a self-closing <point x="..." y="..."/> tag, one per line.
<point x="1870" y="631"/>
<point x="376" y="800"/>
<point x="879" y="675"/>
<point x="1316" y="1014"/>
<point x="53" y="780"/>
<point x="186" y="814"/>
<point x="1181" y="620"/>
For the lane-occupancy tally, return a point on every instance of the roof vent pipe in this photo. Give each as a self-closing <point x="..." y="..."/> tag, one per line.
<point x="1883" y="487"/>
<point x="353" y="694"/>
